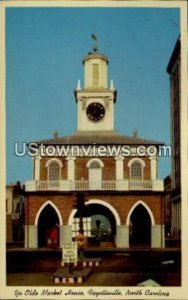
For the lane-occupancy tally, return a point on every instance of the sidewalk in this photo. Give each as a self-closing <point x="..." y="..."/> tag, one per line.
<point x="116" y="269"/>
<point x="95" y="279"/>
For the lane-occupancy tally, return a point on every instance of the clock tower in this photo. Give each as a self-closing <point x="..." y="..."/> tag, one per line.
<point x="121" y="188"/>
<point x="95" y="102"/>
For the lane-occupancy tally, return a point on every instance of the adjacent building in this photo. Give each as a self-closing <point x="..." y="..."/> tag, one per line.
<point x="122" y="194"/>
<point x="15" y="213"/>
<point x="174" y="71"/>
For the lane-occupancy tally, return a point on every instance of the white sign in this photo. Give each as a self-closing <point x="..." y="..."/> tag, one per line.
<point x="70" y="252"/>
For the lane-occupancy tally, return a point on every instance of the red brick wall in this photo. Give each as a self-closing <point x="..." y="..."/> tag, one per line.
<point x="63" y="203"/>
<point x="109" y="169"/>
<point x="122" y="203"/>
<point x="81" y="170"/>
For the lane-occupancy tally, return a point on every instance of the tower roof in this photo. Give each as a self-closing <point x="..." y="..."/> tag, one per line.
<point x="95" y="55"/>
<point x="98" y="138"/>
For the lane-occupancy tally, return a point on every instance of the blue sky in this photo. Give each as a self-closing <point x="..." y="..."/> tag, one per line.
<point x="44" y="51"/>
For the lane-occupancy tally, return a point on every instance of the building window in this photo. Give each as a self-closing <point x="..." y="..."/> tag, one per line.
<point x="136" y="167"/>
<point x="136" y="171"/>
<point x="54" y="171"/>
<point x="94" y="165"/>
<point x="6" y="205"/>
<point x="95" y="73"/>
<point x="86" y="226"/>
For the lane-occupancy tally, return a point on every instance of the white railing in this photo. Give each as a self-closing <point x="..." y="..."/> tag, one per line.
<point x="109" y="185"/>
<point x="84" y="185"/>
<point x="48" y="185"/>
<point x="80" y="185"/>
<point x="94" y="185"/>
<point x="140" y="185"/>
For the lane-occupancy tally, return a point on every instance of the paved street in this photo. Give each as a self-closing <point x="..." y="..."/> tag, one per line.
<point x="118" y="268"/>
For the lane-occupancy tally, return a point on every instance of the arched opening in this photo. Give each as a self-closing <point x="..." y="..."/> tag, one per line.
<point x="48" y="228"/>
<point x="140" y="227"/>
<point x="103" y="224"/>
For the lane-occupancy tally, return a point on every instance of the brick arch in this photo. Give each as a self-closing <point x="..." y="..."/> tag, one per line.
<point x="51" y="160"/>
<point x="145" y="206"/>
<point x="101" y="164"/>
<point x="136" y="159"/>
<point x="100" y="202"/>
<point x="53" y="206"/>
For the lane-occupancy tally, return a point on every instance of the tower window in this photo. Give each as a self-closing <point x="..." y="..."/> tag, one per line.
<point x="54" y="171"/>
<point x="95" y="73"/>
<point x="136" y="171"/>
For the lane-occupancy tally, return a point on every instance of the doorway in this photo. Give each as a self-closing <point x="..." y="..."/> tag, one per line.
<point x="48" y="228"/>
<point x="95" y="176"/>
<point x="140" y="227"/>
<point x="102" y="229"/>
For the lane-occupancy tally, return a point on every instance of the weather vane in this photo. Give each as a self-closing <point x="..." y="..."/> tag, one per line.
<point x="95" y="46"/>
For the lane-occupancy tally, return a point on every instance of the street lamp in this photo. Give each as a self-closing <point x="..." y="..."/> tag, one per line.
<point x="82" y="223"/>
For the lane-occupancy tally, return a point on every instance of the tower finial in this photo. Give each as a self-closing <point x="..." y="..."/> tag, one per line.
<point x="55" y="134"/>
<point x="78" y="85"/>
<point x="135" y="133"/>
<point x="112" y="85"/>
<point x="95" y="46"/>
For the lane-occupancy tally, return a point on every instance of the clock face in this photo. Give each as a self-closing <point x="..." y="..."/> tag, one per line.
<point x="95" y="111"/>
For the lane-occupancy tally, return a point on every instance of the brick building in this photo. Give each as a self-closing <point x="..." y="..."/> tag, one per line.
<point x="174" y="71"/>
<point x="122" y="193"/>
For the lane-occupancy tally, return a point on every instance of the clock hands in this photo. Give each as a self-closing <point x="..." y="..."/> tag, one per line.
<point x="95" y="111"/>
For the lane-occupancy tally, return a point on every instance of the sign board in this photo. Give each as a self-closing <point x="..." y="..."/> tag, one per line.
<point x="81" y="240"/>
<point x="70" y="252"/>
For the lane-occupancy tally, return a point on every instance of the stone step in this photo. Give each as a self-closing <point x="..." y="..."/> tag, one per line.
<point x="86" y="262"/>
<point x="64" y="275"/>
